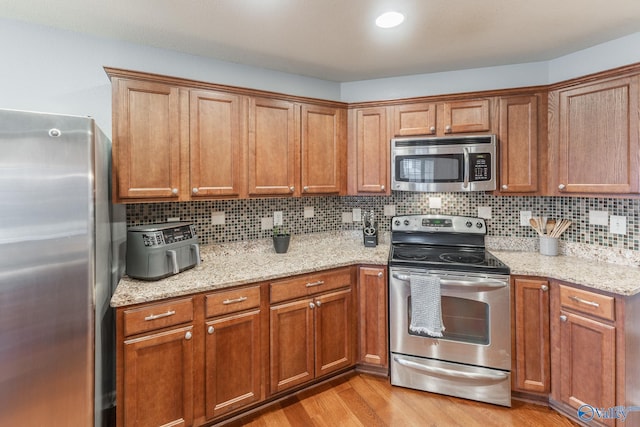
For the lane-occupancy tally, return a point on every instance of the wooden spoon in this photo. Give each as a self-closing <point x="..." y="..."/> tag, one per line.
<point x="550" y="226"/>
<point x="534" y="224"/>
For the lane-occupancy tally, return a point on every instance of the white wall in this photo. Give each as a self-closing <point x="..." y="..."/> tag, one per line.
<point x="45" y="69"/>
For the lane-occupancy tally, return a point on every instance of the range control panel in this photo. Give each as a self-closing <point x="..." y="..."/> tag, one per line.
<point x="439" y="224"/>
<point x="166" y="234"/>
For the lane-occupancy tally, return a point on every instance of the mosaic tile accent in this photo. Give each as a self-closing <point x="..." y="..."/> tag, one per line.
<point x="243" y="217"/>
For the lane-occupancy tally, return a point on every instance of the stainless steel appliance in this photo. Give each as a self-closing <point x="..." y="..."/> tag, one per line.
<point x="444" y="164"/>
<point x="160" y="250"/>
<point x="469" y="299"/>
<point x="57" y="357"/>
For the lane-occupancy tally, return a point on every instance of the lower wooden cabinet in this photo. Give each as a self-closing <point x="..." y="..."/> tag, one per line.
<point x="373" y="340"/>
<point x="530" y="323"/>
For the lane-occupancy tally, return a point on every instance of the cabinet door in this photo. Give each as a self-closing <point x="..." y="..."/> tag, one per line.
<point x="274" y="155"/>
<point x="467" y="116"/>
<point x="323" y="149"/>
<point x="146" y="144"/>
<point x="531" y="323"/>
<point x="372" y="297"/>
<point x="598" y="147"/>
<point x="291" y="344"/>
<point x="334" y="333"/>
<point x="233" y="365"/>
<point x="216" y="144"/>
<point x="518" y="144"/>
<point x="158" y="385"/>
<point x="414" y="119"/>
<point x="587" y="362"/>
<point x="372" y="151"/>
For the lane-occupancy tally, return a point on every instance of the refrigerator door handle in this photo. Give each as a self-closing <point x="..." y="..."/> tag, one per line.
<point x="174" y="261"/>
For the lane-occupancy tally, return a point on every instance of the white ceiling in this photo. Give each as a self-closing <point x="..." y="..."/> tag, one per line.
<point x="337" y="40"/>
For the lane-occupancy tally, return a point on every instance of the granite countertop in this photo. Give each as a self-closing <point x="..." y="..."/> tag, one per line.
<point x="233" y="264"/>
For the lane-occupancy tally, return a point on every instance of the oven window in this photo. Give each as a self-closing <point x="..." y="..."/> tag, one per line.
<point x="430" y="168"/>
<point x="464" y="320"/>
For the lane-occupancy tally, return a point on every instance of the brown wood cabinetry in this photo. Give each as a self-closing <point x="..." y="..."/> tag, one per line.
<point x="373" y="323"/>
<point x="146" y="140"/>
<point x="519" y="145"/>
<point x="594" y="137"/>
<point x="369" y="151"/>
<point x="530" y="323"/>
<point x="312" y="336"/>
<point x="584" y="348"/>
<point x="452" y="117"/>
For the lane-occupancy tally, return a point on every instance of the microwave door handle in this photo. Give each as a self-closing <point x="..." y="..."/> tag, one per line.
<point x="466" y="168"/>
<point x="174" y="261"/>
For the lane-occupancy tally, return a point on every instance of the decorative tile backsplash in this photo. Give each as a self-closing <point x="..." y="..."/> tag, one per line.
<point x="243" y="217"/>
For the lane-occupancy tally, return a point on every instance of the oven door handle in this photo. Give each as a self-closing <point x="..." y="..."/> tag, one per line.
<point x="498" y="376"/>
<point x="487" y="283"/>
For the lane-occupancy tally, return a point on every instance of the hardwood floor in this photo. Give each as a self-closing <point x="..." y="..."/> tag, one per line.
<point x="365" y="400"/>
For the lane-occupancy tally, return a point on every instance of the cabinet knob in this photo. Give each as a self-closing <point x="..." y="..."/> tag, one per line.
<point x="318" y="303"/>
<point x="432" y="129"/>
<point x="561" y="187"/>
<point x="447" y="128"/>
<point x="312" y="305"/>
<point x="210" y="330"/>
<point x="563" y="318"/>
<point x="380" y="274"/>
<point x="382" y="187"/>
<point x="544" y="288"/>
<point x="305" y="189"/>
<point x="292" y="188"/>
<point x="195" y="190"/>
<point x="188" y="335"/>
<point x="505" y="187"/>
<point x="174" y="191"/>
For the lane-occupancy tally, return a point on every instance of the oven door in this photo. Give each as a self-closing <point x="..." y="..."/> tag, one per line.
<point x="475" y="314"/>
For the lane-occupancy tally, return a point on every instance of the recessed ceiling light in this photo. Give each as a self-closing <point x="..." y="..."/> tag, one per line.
<point x="389" y="19"/>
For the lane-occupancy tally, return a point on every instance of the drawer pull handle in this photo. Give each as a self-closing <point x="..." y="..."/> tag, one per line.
<point x="312" y="284"/>
<point x="160" y="316"/>
<point x="234" y="301"/>
<point x="583" y="301"/>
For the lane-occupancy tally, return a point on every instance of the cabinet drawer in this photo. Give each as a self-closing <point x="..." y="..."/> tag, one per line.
<point x="309" y="284"/>
<point x="231" y="301"/>
<point x="157" y="316"/>
<point x="587" y="302"/>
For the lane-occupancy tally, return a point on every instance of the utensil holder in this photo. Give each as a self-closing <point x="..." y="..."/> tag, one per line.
<point x="548" y="245"/>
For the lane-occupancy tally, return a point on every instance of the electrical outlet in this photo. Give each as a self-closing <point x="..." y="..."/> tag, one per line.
<point x="435" y="202"/>
<point x="484" y="212"/>
<point x="357" y="215"/>
<point x="277" y="218"/>
<point x="525" y="216"/>
<point x="266" y="223"/>
<point x="217" y="218"/>
<point x="389" y="210"/>
<point x="173" y="219"/>
<point x="309" y="212"/>
<point x="618" y="224"/>
<point x="598" y="217"/>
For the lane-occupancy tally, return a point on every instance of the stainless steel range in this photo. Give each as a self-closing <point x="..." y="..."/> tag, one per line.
<point x="449" y="309"/>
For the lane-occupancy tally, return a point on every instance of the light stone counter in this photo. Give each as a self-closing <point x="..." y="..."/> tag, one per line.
<point x="232" y="264"/>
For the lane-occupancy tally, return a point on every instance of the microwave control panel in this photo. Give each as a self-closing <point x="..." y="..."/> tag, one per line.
<point x="480" y="166"/>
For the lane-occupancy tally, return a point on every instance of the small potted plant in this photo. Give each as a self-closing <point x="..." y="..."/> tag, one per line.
<point x="281" y="238"/>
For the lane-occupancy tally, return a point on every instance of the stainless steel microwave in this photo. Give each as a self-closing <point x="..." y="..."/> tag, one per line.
<point x="444" y="164"/>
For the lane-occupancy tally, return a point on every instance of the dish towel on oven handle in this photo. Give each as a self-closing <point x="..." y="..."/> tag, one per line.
<point x="426" y="310"/>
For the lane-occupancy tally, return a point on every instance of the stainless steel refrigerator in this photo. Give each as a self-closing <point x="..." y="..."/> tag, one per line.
<point x="60" y="243"/>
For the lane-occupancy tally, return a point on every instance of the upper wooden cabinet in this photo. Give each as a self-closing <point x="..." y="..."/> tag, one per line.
<point x="146" y="140"/>
<point x="369" y="151"/>
<point x="438" y="119"/>
<point x="519" y="144"/>
<point x="594" y="131"/>
<point x="217" y="142"/>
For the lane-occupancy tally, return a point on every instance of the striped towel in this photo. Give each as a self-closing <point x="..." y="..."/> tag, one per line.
<point x="426" y="311"/>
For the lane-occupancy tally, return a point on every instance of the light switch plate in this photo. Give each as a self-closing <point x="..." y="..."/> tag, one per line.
<point x="525" y="216"/>
<point x="618" y="224"/>
<point x="389" y="210"/>
<point x="218" y="218"/>
<point x="277" y="218"/>
<point x="266" y="223"/>
<point x="357" y="215"/>
<point x="435" y="202"/>
<point x="347" y="217"/>
<point x="484" y="212"/>
<point x="598" y="218"/>
<point x="309" y="212"/>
